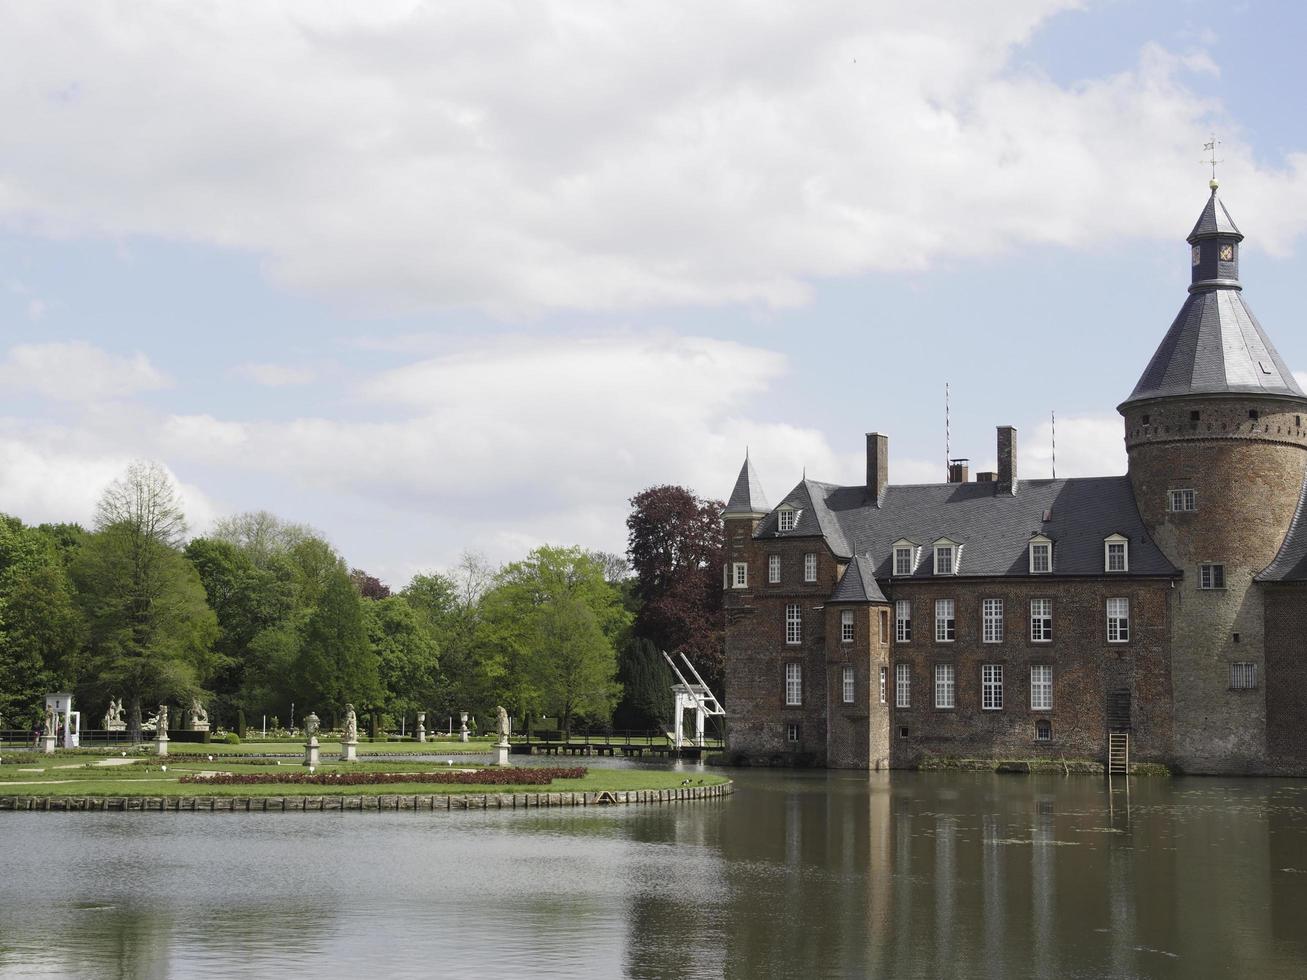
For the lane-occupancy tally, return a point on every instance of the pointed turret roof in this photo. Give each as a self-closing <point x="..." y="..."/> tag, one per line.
<point x="747" y="499"/>
<point x="1215" y="346"/>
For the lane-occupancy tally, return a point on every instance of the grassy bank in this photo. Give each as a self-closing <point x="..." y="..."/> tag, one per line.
<point x="149" y="777"/>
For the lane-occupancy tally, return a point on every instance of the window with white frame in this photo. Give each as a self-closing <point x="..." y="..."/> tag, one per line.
<point x="902" y="686"/>
<point x="903" y="559"/>
<point x="1211" y="576"/>
<point x="1243" y="676"/>
<point x="846" y="625"/>
<point x="1041" y="556"/>
<point x="991" y="621"/>
<point x="793" y="684"/>
<point x="944" y="686"/>
<point x="1041" y="687"/>
<point x="903" y="621"/>
<point x="792" y="731"/>
<point x="793" y="623"/>
<point x="810" y="567"/>
<point x="991" y="687"/>
<point x="786" y="518"/>
<point x="773" y="569"/>
<point x="884" y="683"/>
<point x="945" y="559"/>
<point x="1116" y="554"/>
<point x="945" y="621"/>
<point x="1183" y="500"/>
<point x="1118" y="620"/>
<point x="740" y="576"/>
<point x="847" y="684"/>
<point x="1041" y="620"/>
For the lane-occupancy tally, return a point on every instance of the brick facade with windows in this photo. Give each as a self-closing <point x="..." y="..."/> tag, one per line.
<point x="1178" y="592"/>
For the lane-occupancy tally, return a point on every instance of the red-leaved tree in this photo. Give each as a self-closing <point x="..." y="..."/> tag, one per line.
<point x="675" y="547"/>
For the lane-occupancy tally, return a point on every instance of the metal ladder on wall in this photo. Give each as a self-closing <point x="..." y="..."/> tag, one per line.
<point x="1118" y="753"/>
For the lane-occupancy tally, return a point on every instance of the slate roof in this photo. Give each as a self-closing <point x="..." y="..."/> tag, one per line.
<point x="1215" y="345"/>
<point x="1290" y="565"/>
<point x="858" y="583"/>
<point x="1214" y="220"/>
<point x="747" y="497"/>
<point x="993" y="529"/>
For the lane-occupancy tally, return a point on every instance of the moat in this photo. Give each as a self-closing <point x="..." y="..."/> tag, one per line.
<point x="797" y="874"/>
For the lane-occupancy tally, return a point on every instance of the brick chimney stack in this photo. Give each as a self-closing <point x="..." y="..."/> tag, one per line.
<point x="877" y="466"/>
<point x="959" y="470"/>
<point x="1007" y="460"/>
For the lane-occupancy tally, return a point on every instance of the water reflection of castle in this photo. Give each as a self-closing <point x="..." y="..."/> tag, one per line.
<point x="879" y="625"/>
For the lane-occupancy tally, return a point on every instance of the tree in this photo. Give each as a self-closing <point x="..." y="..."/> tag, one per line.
<point x="335" y="663"/>
<point x="406" y="653"/>
<point x="40" y="626"/>
<point x="646" y="686"/>
<point x="451" y="607"/>
<point x="261" y="535"/>
<point x="368" y="586"/>
<point x="676" y="548"/>
<point x="574" y="667"/>
<point x="150" y="631"/>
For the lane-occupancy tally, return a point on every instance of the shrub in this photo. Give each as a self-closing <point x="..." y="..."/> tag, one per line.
<point x="480" y="777"/>
<point x="231" y="738"/>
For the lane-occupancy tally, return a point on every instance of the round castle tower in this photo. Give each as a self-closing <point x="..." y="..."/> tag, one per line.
<point x="1217" y="448"/>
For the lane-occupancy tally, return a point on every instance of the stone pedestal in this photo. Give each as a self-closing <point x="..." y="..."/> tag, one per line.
<point x="349" y="751"/>
<point x="199" y="726"/>
<point x="312" y="753"/>
<point x="47" y="744"/>
<point x="116" y="726"/>
<point x="161" y="744"/>
<point x="501" y="753"/>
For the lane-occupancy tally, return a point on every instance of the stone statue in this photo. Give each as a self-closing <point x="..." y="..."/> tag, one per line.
<point x="311" y="726"/>
<point x="501" y="718"/>
<point x="113" y="718"/>
<point x="351" y="724"/>
<point x="51" y="720"/>
<point x="199" y="717"/>
<point x="151" y="724"/>
<point x="163" y="719"/>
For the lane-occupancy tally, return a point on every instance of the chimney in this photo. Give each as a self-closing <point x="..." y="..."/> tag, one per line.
<point x="986" y="476"/>
<point x="958" y="470"/>
<point x="877" y="466"/>
<point x="1007" y="459"/>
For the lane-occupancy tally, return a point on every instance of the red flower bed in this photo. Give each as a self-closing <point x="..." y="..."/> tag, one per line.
<point x="481" y="777"/>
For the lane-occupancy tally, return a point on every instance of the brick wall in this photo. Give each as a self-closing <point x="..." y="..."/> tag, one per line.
<point x="1285" y="679"/>
<point x="857" y="733"/>
<point x="1085" y="669"/>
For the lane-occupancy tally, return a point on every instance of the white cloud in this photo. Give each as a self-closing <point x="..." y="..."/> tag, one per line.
<point x="526" y="155"/>
<point x="277" y="375"/>
<point x="1089" y="445"/>
<point x="78" y="372"/>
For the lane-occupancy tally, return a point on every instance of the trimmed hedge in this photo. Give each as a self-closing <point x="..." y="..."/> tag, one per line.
<point x="481" y="777"/>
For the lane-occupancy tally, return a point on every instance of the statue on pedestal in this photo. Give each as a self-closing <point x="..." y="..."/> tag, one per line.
<point x="501" y="723"/>
<point x="311" y="751"/>
<point x="351" y="724"/>
<point x="199" y="717"/>
<point x="311" y="726"/>
<point x="51" y="721"/>
<point x="163" y="719"/>
<point x="113" y="718"/>
<point x="462" y="732"/>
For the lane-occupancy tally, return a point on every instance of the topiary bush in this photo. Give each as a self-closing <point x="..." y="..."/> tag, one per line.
<point x="231" y="738"/>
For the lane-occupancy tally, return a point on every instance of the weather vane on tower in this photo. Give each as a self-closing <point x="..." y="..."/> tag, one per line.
<point x="1211" y="148"/>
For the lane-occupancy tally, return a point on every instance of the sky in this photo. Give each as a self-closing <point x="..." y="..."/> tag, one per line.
<point x="436" y="277"/>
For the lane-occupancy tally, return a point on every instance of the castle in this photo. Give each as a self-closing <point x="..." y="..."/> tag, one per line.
<point x="877" y="625"/>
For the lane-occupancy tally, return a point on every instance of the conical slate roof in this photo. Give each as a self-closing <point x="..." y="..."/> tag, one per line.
<point x="1214" y="220"/>
<point x="747" y="498"/>
<point x="1215" y="345"/>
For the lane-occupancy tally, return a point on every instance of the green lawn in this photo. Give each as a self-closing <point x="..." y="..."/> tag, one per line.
<point x="146" y="777"/>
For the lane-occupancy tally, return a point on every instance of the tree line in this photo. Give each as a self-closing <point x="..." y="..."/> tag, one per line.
<point x="262" y="612"/>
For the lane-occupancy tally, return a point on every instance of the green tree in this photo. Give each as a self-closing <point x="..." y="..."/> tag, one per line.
<point x="646" y="686"/>
<point x="406" y="654"/>
<point x="335" y="663"/>
<point x="262" y="536"/>
<point x="452" y="608"/>
<point x="573" y="666"/>
<point x="149" y="628"/>
<point x="40" y="625"/>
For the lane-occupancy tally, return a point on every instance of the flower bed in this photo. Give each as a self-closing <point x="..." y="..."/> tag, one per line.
<point x="481" y="777"/>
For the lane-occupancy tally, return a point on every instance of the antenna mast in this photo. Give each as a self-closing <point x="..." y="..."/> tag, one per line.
<point x="947" y="447"/>
<point x="1053" y="416"/>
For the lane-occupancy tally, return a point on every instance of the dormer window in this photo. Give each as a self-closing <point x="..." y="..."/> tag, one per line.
<point x="947" y="554"/>
<point x="1116" y="553"/>
<point x="1041" y="555"/>
<point x="786" y="518"/>
<point x="905" y="558"/>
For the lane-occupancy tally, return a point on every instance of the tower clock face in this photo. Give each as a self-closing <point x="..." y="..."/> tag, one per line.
<point x="1227" y="253"/>
<point x="1195" y="253"/>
